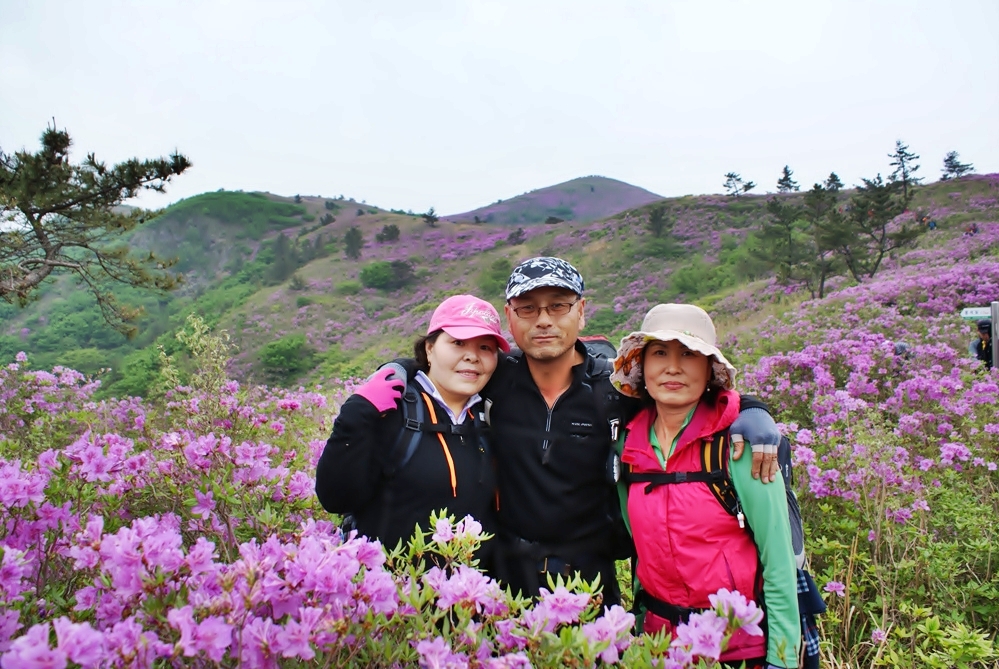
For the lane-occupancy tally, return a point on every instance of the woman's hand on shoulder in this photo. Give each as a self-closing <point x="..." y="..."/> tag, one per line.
<point x="382" y="389"/>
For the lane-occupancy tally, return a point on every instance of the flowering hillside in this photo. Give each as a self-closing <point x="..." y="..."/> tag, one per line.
<point x="182" y="529"/>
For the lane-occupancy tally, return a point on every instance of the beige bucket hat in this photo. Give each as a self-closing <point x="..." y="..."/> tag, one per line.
<point x="688" y="324"/>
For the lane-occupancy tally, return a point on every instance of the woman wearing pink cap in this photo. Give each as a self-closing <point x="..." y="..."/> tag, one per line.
<point x="399" y="453"/>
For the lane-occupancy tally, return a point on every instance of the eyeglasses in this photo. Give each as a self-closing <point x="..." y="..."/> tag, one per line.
<point x="531" y="311"/>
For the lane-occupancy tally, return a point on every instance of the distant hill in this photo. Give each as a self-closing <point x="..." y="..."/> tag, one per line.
<point x="580" y="200"/>
<point x="273" y="272"/>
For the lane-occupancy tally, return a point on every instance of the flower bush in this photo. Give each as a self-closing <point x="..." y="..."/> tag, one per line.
<point x="896" y="443"/>
<point x="183" y="531"/>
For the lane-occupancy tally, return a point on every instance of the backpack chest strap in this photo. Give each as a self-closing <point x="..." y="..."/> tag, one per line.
<point x="656" y="479"/>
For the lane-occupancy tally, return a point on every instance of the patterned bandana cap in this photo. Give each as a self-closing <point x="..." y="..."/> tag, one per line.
<point x="543" y="272"/>
<point x="688" y="324"/>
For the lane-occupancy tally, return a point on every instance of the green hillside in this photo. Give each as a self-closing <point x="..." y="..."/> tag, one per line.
<point x="274" y="274"/>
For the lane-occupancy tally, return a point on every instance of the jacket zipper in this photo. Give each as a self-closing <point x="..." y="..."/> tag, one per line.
<point x="447" y="451"/>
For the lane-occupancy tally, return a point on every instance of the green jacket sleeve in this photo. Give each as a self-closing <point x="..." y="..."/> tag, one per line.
<point x="765" y="508"/>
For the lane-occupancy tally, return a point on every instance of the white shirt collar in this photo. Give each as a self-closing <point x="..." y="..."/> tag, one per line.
<point x="429" y="386"/>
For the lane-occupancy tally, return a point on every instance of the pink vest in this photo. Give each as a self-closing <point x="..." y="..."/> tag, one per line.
<point x="688" y="546"/>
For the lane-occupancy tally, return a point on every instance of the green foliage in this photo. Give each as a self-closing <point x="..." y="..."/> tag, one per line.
<point x="700" y="278"/>
<point x="139" y="374"/>
<point x="786" y="184"/>
<point x="349" y="287"/>
<point x="286" y="260"/>
<point x="61" y="218"/>
<point x="604" y="321"/>
<point x="869" y="233"/>
<point x="253" y="213"/>
<point x="904" y="162"/>
<point x="735" y="185"/>
<point x="492" y="280"/>
<point x="900" y="574"/>
<point x="553" y="220"/>
<point x="353" y="241"/>
<point x="953" y="167"/>
<point x="87" y="360"/>
<point x="331" y="206"/>
<point x="658" y="223"/>
<point x="663" y="248"/>
<point x="385" y="275"/>
<point x="389" y="233"/>
<point x="286" y="358"/>
<point x="430" y="218"/>
<point x="517" y="237"/>
<point x="783" y="241"/>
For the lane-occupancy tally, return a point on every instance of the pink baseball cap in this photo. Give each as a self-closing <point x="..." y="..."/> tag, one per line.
<point x="466" y="317"/>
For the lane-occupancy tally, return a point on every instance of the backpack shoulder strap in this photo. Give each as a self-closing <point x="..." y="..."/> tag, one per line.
<point x="414" y="416"/>
<point x="714" y="462"/>
<point x="608" y="400"/>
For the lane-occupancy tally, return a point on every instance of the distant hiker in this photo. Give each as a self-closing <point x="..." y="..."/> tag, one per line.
<point x="554" y="416"/>
<point x="981" y="348"/>
<point x="700" y="522"/>
<point x="400" y="451"/>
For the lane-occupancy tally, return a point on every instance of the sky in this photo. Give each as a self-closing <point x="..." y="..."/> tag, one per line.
<point x="411" y="104"/>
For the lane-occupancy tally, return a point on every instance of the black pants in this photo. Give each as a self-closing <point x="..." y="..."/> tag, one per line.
<point x="521" y="568"/>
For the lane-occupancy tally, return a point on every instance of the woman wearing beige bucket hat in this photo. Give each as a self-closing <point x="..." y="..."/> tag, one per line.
<point x="688" y="505"/>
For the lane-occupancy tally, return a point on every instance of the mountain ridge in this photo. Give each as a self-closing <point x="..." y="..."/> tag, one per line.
<point x="323" y="316"/>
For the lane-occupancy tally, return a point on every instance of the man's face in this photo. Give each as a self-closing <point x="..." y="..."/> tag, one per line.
<point x="543" y="335"/>
<point x="984" y="335"/>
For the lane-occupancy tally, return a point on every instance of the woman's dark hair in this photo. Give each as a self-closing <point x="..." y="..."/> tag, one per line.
<point x="420" y="350"/>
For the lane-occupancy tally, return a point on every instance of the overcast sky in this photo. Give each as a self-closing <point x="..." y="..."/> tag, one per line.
<point x="410" y="104"/>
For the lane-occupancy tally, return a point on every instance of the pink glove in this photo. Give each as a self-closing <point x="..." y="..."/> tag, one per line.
<point x="381" y="389"/>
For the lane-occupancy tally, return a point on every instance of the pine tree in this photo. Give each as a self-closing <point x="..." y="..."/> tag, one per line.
<point x="782" y="242"/>
<point x="825" y="224"/>
<point x="954" y="168"/>
<point x="658" y="223"/>
<point x="60" y="218"/>
<point x="904" y="162"/>
<point x="284" y="263"/>
<point x="870" y="232"/>
<point x="786" y="184"/>
<point x="833" y="183"/>
<point x="736" y="186"/>
<point x="431" y="218"/>
<point x="353" y="241"/>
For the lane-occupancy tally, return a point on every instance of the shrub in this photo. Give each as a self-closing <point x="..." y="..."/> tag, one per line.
<point x="386" y="275"/>
<point x="389" y="233"/>
<point x="492" y="281"/>
<point x="349" y="287"/>
<point x="286" y="358"/>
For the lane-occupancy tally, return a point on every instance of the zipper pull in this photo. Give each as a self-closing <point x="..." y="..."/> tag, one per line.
<point x="742" y="520"/>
